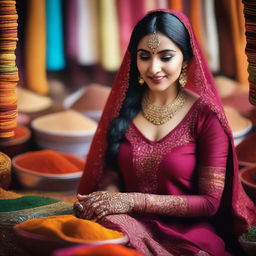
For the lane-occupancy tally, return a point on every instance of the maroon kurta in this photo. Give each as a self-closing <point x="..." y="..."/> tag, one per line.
<point x="178" y="164"/>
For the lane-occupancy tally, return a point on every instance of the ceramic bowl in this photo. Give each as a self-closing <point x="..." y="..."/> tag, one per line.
<point x="240" y="135"/>
<point x="72" y="98"/>
<point x="39" y="245"/>
<point x="248" y="246"/>
<point x="77" y="143"/>
<point x="246" y="151"/>
<point x="240" y="125"/>
<point x="89" y="100"/>
<point x="248" y="178"/>
<point x="73" y="142"/>
<point x="44" y="182"/>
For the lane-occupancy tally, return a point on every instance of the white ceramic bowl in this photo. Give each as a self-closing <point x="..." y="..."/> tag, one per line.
<point x="76" y="142"/>
<point x="242" y="134"/>
<point x="45" y="182"/>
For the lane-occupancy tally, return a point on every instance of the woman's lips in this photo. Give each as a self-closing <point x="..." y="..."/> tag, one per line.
<point x="157" y="79"/>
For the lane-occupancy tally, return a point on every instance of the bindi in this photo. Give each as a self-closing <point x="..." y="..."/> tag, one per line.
<point x="153" y="42"/>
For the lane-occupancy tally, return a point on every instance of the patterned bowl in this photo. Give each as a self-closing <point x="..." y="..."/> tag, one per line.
<point x="248" y="246"/>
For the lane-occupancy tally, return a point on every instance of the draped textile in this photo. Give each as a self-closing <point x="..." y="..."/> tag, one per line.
<point x="71" y="26"/>
<point x="55" y="59"/>
<point x="127" y="18"/>
<point x="35" y="48"/>
<point x="238" y="30"/>
<point x="176" y="5"/>
<point x="162" y="4"/>
<point x="124" y="10"/>
<point x="211" y="37"/>
<point x="150" y="5"/>
<point x="108" y="29"/>
<point x="87" y="32"/>
<point x="139" y="11"/>
<point x="232" y="39"/>
<point x="235" y="211"/>
<point x="196" y="20"/>
<point x="71" y="13"/>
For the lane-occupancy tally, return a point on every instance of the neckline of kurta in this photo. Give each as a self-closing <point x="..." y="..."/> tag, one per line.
<point x="132" y="125"/>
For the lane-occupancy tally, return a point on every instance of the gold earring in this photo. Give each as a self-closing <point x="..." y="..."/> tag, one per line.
<point x="183" y="77"/>
<point x="141" y="81"/>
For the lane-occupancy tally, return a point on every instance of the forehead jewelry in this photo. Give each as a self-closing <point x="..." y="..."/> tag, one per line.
<point x="153" y="42"/>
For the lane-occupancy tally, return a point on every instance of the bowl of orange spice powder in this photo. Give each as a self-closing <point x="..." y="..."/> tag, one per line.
<point x="48" y="170"/>
<point x="41" y="236"/>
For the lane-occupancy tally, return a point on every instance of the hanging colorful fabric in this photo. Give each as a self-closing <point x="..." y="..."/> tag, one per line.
<point x="35" y="46"/>
<point x="87" y="32"/>
<point x="110" y="47"/>
<point x="55" y="59"/>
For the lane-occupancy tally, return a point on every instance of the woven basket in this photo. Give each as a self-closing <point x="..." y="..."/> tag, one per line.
<point x="5" y="171"/>
<point x="9" y="245"/>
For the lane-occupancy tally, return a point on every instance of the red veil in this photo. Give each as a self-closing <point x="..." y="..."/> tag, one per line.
<point x="234" y="202"/>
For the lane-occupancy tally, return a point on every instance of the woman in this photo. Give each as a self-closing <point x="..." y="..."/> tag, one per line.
<point x="164" y="132"/>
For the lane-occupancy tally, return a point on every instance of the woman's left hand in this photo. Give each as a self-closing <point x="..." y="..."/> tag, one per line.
<point x="102" y="203"/>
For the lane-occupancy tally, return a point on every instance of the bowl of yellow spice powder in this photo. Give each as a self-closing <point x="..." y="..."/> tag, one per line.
<point x="41" y="236"/>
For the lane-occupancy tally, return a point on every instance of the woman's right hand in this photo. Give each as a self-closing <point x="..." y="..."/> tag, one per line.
<point x="102" y="203"/>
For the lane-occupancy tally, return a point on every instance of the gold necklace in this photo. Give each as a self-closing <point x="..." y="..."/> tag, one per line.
<point x="160" y="115"/>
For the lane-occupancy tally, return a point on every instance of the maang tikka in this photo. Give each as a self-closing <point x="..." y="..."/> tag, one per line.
<point x="153" y="42"/>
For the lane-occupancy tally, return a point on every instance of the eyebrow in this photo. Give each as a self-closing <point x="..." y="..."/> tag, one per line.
<point x="165" y="50"/>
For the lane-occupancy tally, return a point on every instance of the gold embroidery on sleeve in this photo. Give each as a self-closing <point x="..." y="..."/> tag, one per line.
<point x="211" y="179"/>
<point x="169" y="205"/>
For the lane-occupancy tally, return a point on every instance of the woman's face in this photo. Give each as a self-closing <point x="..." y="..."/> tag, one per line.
<point x="159" y="69"/>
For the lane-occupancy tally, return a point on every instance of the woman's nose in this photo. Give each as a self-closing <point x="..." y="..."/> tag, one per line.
<point x="154" y="67"/>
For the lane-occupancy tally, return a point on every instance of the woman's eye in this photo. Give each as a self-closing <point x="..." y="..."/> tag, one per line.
<point x="144" y="57"/>
<point x="166" y="57"/>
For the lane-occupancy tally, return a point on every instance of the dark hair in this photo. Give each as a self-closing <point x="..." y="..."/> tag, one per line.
<point x="173" y="28"/>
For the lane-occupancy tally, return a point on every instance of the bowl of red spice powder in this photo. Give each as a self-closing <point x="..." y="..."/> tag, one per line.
<point x="48" y="170"/>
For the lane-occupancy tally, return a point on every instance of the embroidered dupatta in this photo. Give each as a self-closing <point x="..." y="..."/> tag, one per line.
<point x="235" y="202"/>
